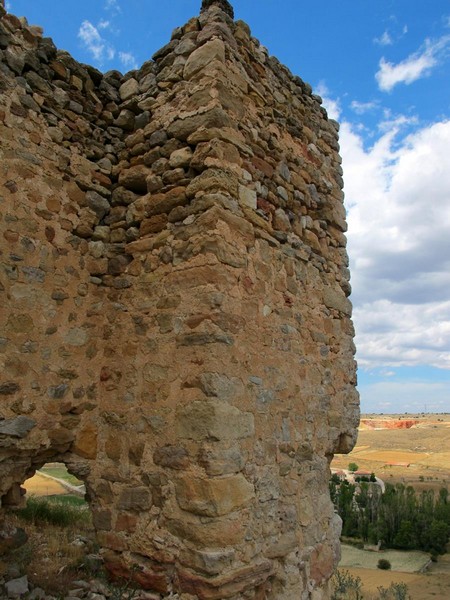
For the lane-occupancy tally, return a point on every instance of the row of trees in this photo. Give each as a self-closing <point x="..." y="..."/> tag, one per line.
<point x="400" y="517"/>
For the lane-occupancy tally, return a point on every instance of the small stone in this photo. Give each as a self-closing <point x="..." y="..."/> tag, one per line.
<point x="281" y="220"/>
<point x="135" y="178"/>
<point x="158" y="138"/>
<point x="17" y="587"/>
<point x="282" y="192"/>
<point x="180" y="158"/>
<point x="37" y="594"/>
<point x="247" y="197"/>
<point x="9" y="388"/>
<point x="98" y="204"/>
<point x="125" y="120"/>
<point x="17" y="427"/>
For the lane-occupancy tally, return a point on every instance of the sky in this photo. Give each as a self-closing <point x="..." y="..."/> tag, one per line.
<point x="382" y="68"/>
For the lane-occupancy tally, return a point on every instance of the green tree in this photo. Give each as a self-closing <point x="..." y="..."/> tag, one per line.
<point x="352" y="467"/>
<point x="405" y="538"/>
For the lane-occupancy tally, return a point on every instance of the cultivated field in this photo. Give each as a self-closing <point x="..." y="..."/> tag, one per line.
<point x="419" y="455"/>
<point x="415" y="453"/>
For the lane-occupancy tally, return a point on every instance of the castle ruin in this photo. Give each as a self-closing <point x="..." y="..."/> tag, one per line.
<point x="175" y="324"/>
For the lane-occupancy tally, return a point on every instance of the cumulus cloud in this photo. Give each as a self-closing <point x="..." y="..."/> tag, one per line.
<point x="398" y="201"/>
<point x="414" y="67"/>
<point x="128" y="60"/>
<point x="94" y="43"/>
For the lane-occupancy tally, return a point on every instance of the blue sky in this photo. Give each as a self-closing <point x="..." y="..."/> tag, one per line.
<point x="383" y="70"/>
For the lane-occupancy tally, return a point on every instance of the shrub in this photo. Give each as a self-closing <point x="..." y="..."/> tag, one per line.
<point x="352" y="467"/>
<point x="384" y="564"/>
<point x="345" y="586"/>
<point x="396" y="591"/>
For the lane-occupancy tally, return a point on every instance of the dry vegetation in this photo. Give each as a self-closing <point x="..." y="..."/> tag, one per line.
<point x="54" y="555"/>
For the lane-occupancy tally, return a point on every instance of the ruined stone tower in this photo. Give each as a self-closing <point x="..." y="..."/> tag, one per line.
<point x="174" y="321"/>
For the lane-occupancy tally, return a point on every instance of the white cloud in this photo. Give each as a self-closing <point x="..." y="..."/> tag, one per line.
<point x="94" y="43"/>
<point x="362" y="107"/>
<point x="414" y="67"/>
<point x="332" y="105"/>
<point x="128" y="60"/>
<point x="384" y="40"/>
<point x="398" y="200"/>
<point x="104" y="24"/>
<point x="395" y="122"/>
<point x="8" y="6"/>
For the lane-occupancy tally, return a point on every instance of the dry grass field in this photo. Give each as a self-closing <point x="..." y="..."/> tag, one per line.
<point x="421" y="586"/>
<point x="43" y="486"/>
<point x="417" y="456"/>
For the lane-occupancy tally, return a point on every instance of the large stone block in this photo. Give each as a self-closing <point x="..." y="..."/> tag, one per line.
<point x="213" y="420"/>
<point x="212" y="50"/>
<point x="213" y="497"/>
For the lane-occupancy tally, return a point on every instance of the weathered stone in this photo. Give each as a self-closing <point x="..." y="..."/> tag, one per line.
<point x="213" y="50"/>
<point x="17" y="427"/>
<point x="163" y="203"/>
<point x="16" y="588"/>
<point x="213" y="180"/>
<point x="213" y="419"/>
<point x="9" y="388"/>
<point x="183" y="127"/>
<point x="134" y="179"/>
<point x="173" y="457"/>
<point x="221" y="461"/>
<point x="227" y="585"/>
<point x="135" y="498"/>
<point x="247" y="197"/>
<point x="129" y="89"/>
<point x="98" y="204"/>
<point x="213" y="497"/>
<point x="125" y="120"/>
<point x="180" y="158"/>
<point x="335" y="298"/>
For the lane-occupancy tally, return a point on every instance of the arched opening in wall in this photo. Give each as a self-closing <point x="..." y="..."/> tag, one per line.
<point x="61" y="545"/>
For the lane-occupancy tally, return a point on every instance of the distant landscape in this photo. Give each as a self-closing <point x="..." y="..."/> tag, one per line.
<point x="410" y="450"/>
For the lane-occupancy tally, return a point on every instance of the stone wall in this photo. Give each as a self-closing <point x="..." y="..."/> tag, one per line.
<point x="176" y="326"/>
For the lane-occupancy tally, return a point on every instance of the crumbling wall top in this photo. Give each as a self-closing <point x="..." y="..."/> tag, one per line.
<point x="222" y="4"/>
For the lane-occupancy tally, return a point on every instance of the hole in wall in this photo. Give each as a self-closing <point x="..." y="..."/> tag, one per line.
<point x="50" y="507"/>
<point x="54" y="479"/>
